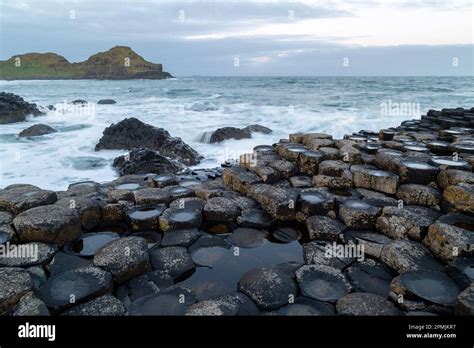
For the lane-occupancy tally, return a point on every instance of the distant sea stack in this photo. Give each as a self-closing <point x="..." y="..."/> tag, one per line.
<point x="118" y="63"/>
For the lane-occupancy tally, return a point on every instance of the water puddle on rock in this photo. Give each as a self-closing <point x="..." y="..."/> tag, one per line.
<point x="219" y="269"/>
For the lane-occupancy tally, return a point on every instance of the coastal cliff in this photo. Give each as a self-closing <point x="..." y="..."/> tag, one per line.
<point x="118" y="63"/>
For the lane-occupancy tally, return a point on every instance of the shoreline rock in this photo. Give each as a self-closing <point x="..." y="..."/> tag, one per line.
<point x="372" y="224"/>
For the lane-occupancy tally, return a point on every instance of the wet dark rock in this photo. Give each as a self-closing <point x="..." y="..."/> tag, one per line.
<point x="297" y="309"/>
<point x="37" y="130"/>
<point x="30" y="305"/>
<point x="220" y="209"/>
<point x="323" y="283"/>
<point x="372" y="243"/>
<point x="64" y="290"/>
<point x="89" y="243"/>
<point x="322" y="227"/>
<point x="289" y="151"/>
<point x="145" y="217"/>
<point x="247" y="237"/>
<point x="174" y="260"/>
<point x="434" y="287"/>
<point x="411" y="221"/>
<point x="63" y="262"/>
<point x="36" y="254"/>
<point x="152" y="238"/>
<point x="131" y="133"/>
<point x="370" y="177"/>
<point x="403" y="256"/>
<point x="417" y="172"/>
<point x="370" y="276"/>
<point x="172" y="301"/>
<point x="225" y="133"/>
<point x="180" y="219"/>
<point x="465" y="304"/>
<point x="180" y="238"/>
<point x="418" y="194"/>
<point x="20" y="198"/>
<point x="317" y="253"/>
<point x="48" y="224"/>
<point x="449" y="242"/>
<point x="360" y="303"/>
<point x="106" y="102"/>
<point x="125" y="258"/>
<point x="322" y="308"/>
<point x="286" y="234"/>
<point x="143" y="161"/>
<point x="461" y="270"/>
<point x="461" y="197"/>
<point x="277" y="201"/>
<point x="14" y="108"/>
<point x="255" y="218"/>
<point x="151" y="196"/>
<point x="163" y="180"/>
<point x="106" y="305"/>
<point x="229" y="304"/>
<point x="358" y="215"/>
<point x="87" y="209"/>
<point x="269" y="288"/>
<point x="15" y="283"/>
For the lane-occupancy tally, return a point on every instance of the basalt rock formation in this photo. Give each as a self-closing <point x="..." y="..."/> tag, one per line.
<point x="380" y="225"/>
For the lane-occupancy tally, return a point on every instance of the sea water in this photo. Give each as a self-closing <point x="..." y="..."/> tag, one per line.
<point x="191" y="107"/>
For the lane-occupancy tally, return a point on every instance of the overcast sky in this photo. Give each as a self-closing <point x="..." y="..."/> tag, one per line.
<point x="339" y="37"/>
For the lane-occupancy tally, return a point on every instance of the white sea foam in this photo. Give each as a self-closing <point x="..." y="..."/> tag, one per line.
<point x="190" y="107"/>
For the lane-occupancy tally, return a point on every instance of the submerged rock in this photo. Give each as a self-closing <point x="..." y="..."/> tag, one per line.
<point x="434" y="287"/>
<point x="37" y="130"/>
<point x="171" y="301"/>
<point x="247" y="237"/>
<point x="74" y="287"/>
<point x="131" y="133"/>
<point x="323" y="283"/>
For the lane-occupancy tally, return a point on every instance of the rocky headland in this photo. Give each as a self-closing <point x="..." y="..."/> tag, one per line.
<point x="118" y="63"/>
<point x="376" y="223"/>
